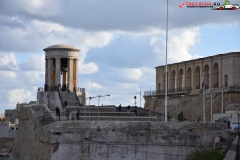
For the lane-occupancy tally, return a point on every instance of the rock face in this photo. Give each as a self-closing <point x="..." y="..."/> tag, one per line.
<point x="40" y="137"/>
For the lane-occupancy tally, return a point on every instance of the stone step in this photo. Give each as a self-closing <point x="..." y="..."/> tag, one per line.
<point x="114" y="118"/>
<point x="104" y="113"/>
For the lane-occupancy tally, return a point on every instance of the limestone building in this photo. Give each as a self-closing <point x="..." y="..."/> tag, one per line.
<point x="221" y="73"/>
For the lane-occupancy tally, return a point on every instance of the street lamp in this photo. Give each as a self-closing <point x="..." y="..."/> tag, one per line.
<point x="89" y="106"/>
<point x="151" y="89"/>
<point x="99" y="96"/>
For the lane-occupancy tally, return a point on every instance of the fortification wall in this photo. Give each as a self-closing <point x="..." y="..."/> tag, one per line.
<point x="192" y="104"/>
<point x="32" y="142"/>
<point x="40" y="137"/>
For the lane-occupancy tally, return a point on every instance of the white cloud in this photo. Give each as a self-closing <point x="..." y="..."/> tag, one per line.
<point x="33" y="63"/>
<point x="93" y="86"/>
<point x="6" y="75"/>
<point x="41" y="7"/>
<point x="132" y="73"/>
<point x="88" y="68"/>
<point x="8" y="62"/>
<point x="18" y="95"/>
<point x="178" y="45"/>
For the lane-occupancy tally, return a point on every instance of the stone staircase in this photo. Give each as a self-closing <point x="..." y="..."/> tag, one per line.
<point x="56" y="118"/>
<point x="71" y="99"/>
<point x="109" y="113"/>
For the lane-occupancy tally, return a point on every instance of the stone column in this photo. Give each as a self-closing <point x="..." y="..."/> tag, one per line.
<point x="76" y="74"/>
<point x="46" y="71"/>
<point x="58" y="66"/>
<point x="70" y="74"/>
<point x="50" y="72"/>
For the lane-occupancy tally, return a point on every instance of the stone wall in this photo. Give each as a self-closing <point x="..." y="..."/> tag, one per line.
<point x="40" y="137"/>
<point x="192" y="105"/>
<point x="4" y="128"/>
<point x="32" y="142"/>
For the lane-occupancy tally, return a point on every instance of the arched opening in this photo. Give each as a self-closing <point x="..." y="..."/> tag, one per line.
<point x="180" y="79"/>
<point x="197" y="77"/>
<point x="215" y="76"/>
<point x="206" y="76"/>
<point x="225" y="81"/>
<point x="188" y="77"/>
<point x="173" y="80"/>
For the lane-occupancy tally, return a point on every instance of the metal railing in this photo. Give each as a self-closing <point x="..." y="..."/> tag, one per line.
<point x="215" y="85"/>
<point x="40" y="89"/>
<point x="76" y="96"/>
<point x="172" y="90"/>
<point x="234" y="89"/>
<point x="60" y="96"/>
<point x="80" y="90"/>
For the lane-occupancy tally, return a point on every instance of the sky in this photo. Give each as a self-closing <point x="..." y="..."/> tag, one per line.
<point x="121" y="43"/>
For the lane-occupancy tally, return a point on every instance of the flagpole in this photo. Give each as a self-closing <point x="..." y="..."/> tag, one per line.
<point x="203" y="106"/>
<point x="166" y="72"/>
<point x="203" y="97"/>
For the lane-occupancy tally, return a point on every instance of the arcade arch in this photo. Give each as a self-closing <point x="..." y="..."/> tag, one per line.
<point x="188" y="77"/>
<point x="173" y="79"/>
<point x="197" y="77"/>
<point x="206" y="76"/>
<point x="215" y="75"/>
<point x="180" y="79"/>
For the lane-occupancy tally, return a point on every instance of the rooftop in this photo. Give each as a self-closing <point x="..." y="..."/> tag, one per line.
<point x="61" y="46"/>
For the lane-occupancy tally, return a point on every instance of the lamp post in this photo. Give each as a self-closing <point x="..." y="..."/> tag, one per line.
<point x="48" y="101"/>
<point x="151" y="89"/>
<point x="88" y="107"/>
<point x="99" y="96"/>
<point x="166" y="68"/>
<point x="90" y="98"/>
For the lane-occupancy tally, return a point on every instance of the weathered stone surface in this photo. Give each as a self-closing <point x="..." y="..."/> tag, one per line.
<point x="100" y="140"/>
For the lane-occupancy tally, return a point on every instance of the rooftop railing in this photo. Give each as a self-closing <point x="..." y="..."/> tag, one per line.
<point x="172" y="90"/>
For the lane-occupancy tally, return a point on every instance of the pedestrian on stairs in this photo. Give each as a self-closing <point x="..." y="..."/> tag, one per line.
<point x="57" y="111"/>
<point x="66" y="103"/>
<point x="68" y="92"/>
<point x="119" y="108"/>
<point x="128" y="108"/>
<point x="77" y="115"/>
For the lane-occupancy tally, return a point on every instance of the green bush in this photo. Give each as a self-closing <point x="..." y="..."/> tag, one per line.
<point x="203" y="153"/>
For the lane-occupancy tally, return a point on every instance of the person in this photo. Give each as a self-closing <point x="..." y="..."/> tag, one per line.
<point x="135" y="111"/>
<point x="68" y="92"/>
<point x="128" y="108"/>
<point x="81" y="104"/>
<point x="77" y="115"/>
<point x="119" y="108"/>
<point x="57" y="111"/>
<point x="66" y="102"/>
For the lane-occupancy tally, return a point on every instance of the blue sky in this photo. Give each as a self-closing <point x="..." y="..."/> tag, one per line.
<point x="121" y="43"/>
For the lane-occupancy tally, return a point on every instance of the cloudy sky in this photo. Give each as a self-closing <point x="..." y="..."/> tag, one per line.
<point x="121" y="42"/>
